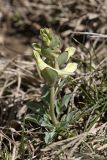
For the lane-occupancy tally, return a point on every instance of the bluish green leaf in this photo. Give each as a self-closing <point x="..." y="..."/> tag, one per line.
<point x="45" y="93"/>
<point x="37" y="107"/>
<point x="62" y="58"/>
<point x="46" y="122"/>
<point x="46" y="51"/>
<point x="55" y="42"/>
<point x="49" y="137"/>
<point x="49" y="75"/>
<point x="66" y="99"/>
<point x="37" y="119"/>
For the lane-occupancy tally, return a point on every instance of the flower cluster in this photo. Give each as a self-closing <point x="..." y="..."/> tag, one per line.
<point x="49" y="58"/>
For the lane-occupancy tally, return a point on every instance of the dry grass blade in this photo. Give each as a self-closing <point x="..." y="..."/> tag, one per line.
<point x="70" y="145"/>
<point x="90" y="34"/>
<point x="14" y="153"/>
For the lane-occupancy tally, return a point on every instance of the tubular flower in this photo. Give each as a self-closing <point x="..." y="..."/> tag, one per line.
<point x="49" y="38"/>
<point x="50" y="49"/>
<point x="68" y="70"/>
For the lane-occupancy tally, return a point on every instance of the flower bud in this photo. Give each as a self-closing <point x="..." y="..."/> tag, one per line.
<point x="36" y="47"/>
<point x="46" y="36"/>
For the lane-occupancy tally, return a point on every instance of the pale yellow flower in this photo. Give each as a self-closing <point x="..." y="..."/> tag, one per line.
<point x="68" y="70"/>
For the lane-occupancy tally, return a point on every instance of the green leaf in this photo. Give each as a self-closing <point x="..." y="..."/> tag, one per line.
<point x="45" y="93"/>
<point x="58" y="107"/>
<point x="47" y="125"/>
<point x="46" y="122"/>
<point x="46" y="51"/>
<point x="66" y="99"/>
<point x="37" y="107"/>
<point x="73" y="116"/>
<point x="62" y="58"/>
<point x="37" y="119"/>
<point x="55" y="42"/>
<point x="49" y="75"/>
<point x="63" y="126"/>
<point x="62" y="104"/>
<point x="49" y="136"/>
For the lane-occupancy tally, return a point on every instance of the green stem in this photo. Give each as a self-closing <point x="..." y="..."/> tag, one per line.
<point x="52" y="105"/>
<point x="56" y="64"/>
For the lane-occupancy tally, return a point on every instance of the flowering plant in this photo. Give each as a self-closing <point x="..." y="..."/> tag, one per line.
<point x="54" y="66"/>
<point x="54" y="58"/>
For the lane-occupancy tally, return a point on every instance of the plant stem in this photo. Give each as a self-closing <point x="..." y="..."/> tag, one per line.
<point x="52" y="106"/>
<point x="56" y="64"/>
